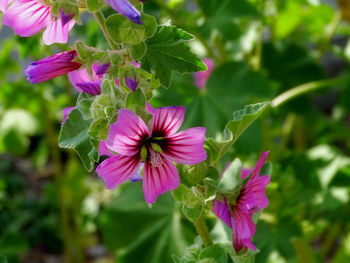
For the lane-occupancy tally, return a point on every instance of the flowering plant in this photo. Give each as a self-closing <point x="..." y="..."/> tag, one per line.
<point x="113" y="115"/>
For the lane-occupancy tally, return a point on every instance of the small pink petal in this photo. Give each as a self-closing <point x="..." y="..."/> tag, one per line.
<point x="126" y="134"/>
<point x="82" y="76"/>
<point x="117" y="169"/>
<point x="158" y="180"/>
<point x="103" y="149"/>
<point x="222" y="211"/>
<point x="56" y="32"/>
<point x="257" y="186"/>
<point x="149" y="108"/>
<point x="245" y="173"/>
<point x="186" y="147"/>
<point x="202" y="77"/>
<point x="167" y="121"/>
<point x="26" y="17"/>
<point x="65" y="113"/>
<point x="259" y="164"/>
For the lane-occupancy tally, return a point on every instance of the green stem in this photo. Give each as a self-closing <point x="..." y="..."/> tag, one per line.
<point x="203" y="232"/>
<point x="305" y="88"/>
<point x="101" y="22"/>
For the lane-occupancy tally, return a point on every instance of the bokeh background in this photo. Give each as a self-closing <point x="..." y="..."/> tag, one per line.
<point x="52" y="210"/>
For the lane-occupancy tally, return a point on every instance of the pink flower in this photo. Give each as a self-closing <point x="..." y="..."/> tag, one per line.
<point x="51" y="67"/>
<point x="82" y="81"/>
<point x="29" y="17"/>
<point x="158" y="148"/>
<point x="250" y="200"/>
<point x="4" y="4"/>
<point x="202" y="77"/>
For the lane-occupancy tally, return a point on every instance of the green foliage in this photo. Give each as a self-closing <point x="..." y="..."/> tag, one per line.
<point x="162" y="232"/>
<point x="74" y="135"/>
<point x="168" y="51"/>
<point x="239" y="123"/>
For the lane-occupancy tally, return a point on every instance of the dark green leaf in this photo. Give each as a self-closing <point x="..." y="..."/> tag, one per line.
<point x="168" y="51"/>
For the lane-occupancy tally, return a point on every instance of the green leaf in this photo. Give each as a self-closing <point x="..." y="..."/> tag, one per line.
<point x="192" y="213"/>
<point x="94" y="5"/>
<point x="130" y="228"/>
<point x="169" y="51"/>
<point x="136" y="98"/>
<point x="138" y="51"/>
<point x="222" y="16"/>
<point x="216" y="252"/>
<point x="230" y="87"/>
<point x="74" y="135"/>
<point x="124" y="31"/>
<point x="241" y="120"/>
<point x="150" y="24"/>
<point x="84" y="104"/>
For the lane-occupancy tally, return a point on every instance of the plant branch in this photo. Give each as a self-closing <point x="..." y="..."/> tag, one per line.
<point x="203" y="232"/>
<point x="305" y="88"/>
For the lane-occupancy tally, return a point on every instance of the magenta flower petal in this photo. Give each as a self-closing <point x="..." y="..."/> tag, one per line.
<point x="259" y="165"/>
<point x="27" y="17"/>
<point x="221" y="210"/>
<point x="57" y="32"/>
<point x="243" y="229"/>
<point x="131" y="83"/>
<point x="126" y="9"/>
<point x="103" y="149"/>
<point x="159" y="178"/>
<point x="65" y="113"/>
<point x="51" y="67"/>
<point x="246" y="199"/>
<point x="93" y="88"/>
<point x="81" y="76"/>
<point x="149" y="108"/>
<point x="102" y="69"/>
<point x="116" y="170"/>
<point x="202" y="77"/>
<point x="245" y="173"/>
<point x="167" y="121"/>
<point x="186" y="147"/>
<point x="126" y="134"/>
<point x="257" y="187"/>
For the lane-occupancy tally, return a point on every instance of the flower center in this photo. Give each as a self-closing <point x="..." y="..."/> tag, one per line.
<point x="156" y="159"/>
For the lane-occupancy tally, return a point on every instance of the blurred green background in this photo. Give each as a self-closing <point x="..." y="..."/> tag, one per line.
<point x="51" y="210"/>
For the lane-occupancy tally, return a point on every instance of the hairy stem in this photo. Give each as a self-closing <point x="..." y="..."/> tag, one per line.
<point x="305" y="88"/>
<point x="203" y="232"/>
<point x="101" y="22"/>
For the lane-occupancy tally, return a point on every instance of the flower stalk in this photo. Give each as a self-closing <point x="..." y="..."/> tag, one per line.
<point x="306" y="88"/>
<point x="101" y="22"/>
<point x="203" y="232"/>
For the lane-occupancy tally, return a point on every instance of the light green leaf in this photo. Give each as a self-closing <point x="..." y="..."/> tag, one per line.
<point x="74" y="135"/>
<point x="216" y="252"/>
<point x="241" y="120"/>
<point x="94" y="5"/>
<point x="124" y="31"/>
